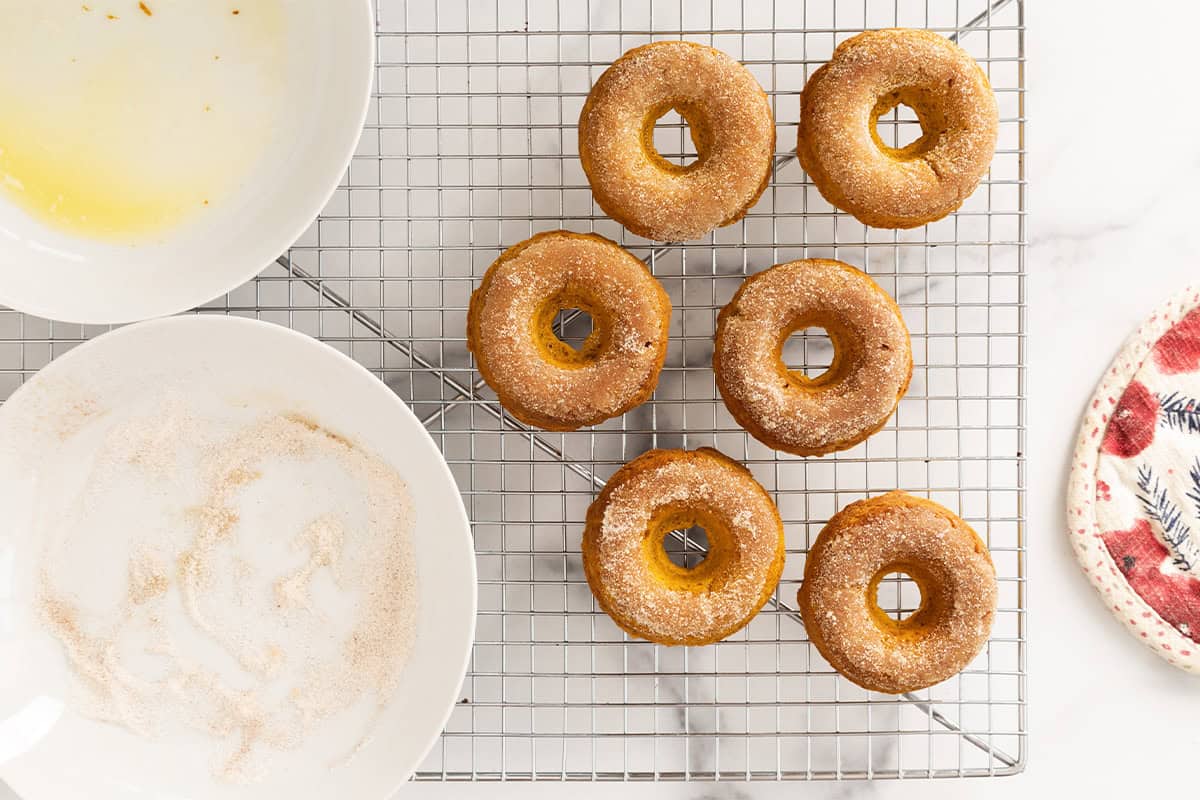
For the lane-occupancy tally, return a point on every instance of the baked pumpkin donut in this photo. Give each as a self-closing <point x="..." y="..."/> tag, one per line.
<point x="897" y="532"/>
<point x="785" y="409"/>
<point x="732" y="128"/>
<point x="868" y="76"/>
<point x="541" y="379"/>
<point x="635" y="582"/>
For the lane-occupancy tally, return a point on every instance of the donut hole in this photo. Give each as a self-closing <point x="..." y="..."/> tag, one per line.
<point x="899" y="127"/>
<point x="572" y="327"/>
<point x="690" y="548"/>
<point x="672" y="140"/>
<point x="898" y="595"/>
<point x="808" y="352"/>
<point x="675" y="136"/>
<point x="686" y="548"/>
<point x="904" y="124"/>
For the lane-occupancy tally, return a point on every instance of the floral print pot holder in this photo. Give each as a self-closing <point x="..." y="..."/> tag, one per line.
<point x="1133" y="499"/>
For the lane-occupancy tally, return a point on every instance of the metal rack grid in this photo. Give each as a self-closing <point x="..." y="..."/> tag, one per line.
<point x="470" y="147"/>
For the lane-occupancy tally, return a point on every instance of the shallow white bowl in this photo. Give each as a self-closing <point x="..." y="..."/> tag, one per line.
<point x="49" y="750"/>
<point x="317" y="119"/>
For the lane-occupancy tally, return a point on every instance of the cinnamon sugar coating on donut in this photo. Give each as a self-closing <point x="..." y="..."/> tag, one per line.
<point x="629" y="571"/>
<point x="731" y="125"/>
<point x="867" y="77"/>
<point x="785" y="409"/>
<point x="898" y="533"/>
<point x="540" y="379"/>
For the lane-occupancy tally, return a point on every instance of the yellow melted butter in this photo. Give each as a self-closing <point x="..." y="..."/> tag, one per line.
<point x="123" y="133"/>
<point x="78" y="185"/>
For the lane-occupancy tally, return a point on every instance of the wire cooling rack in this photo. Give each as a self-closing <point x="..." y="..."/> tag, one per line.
<point x="471" y="147"/>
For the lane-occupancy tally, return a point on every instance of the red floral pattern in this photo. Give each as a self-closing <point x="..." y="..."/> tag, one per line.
<point x="1140" y="557"/>
<point x="1179" y="348"/>
<point x="1131" y="429"/>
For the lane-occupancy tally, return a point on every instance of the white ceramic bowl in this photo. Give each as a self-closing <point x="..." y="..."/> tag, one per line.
<point x="49" y="749"/>
<point x="313" y="104"/>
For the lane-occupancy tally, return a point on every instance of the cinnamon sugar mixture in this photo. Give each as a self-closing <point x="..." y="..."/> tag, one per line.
<point x="229" y="621"/>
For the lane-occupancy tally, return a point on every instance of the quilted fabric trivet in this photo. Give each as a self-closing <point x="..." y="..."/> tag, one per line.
<point x="1133" y="500"/>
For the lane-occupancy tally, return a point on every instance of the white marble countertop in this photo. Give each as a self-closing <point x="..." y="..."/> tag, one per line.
<point x="1112" y="147"/>
<point x="1112" y="141"/>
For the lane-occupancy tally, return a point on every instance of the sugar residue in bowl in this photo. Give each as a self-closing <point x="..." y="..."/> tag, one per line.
<point x="145" y="661"/>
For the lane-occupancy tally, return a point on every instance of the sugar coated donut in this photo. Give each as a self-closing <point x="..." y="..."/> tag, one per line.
<point x="731" y="125"/>
<point x="949" y="563"/>
<point x="635" y="582"/>
<point x="541" y="379"/>
<point x="868" y="76"/>
<point x="785" y="409"/>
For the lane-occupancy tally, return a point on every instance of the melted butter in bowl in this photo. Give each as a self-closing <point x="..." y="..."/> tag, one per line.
<point x="122" y="121"/>
<point x="153" y="160"/>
